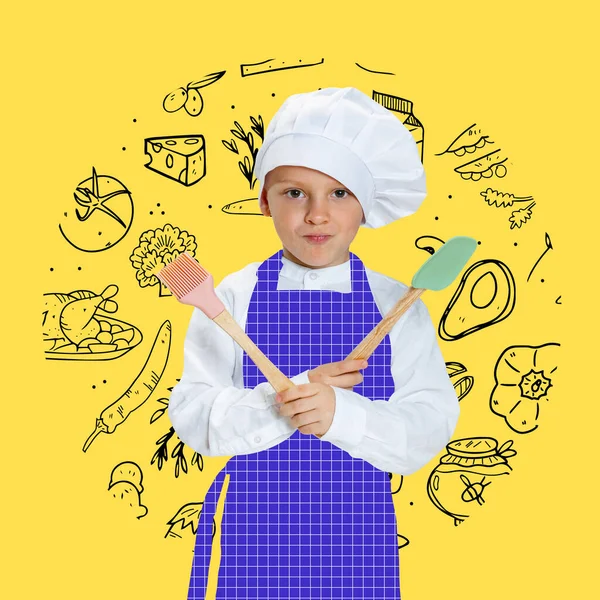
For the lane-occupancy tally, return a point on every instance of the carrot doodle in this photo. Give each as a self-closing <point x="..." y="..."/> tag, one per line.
<point x="141" y="388"/>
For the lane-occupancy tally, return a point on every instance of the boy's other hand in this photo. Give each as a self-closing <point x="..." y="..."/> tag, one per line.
<point x="309" y="406"/>
<point x="343" y="374"/>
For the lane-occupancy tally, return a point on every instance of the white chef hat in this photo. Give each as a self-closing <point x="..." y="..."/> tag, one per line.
<point x="350" y="137"/>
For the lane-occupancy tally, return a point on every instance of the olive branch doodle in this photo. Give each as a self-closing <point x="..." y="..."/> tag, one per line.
<point x="247" y="165"/>
<point x="161" y="455"/>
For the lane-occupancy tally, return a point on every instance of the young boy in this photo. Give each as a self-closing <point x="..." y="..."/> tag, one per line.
<point x="308" y="511"/>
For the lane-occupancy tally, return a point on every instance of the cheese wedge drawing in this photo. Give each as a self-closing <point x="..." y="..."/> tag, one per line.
<point x="181" y="157"/>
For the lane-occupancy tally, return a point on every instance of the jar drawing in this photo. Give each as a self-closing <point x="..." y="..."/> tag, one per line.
<point x="459" y="482"/>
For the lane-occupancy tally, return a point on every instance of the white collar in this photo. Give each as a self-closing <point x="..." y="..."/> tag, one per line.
<point x="296" y="272"/>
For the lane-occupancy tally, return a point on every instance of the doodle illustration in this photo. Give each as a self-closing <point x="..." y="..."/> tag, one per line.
<point x="248" y="206"/>
<point x="247" y="165"/>
<point x="523" y="380"/>
<point x="462" y="385"/>
<point x="270" y="65"/>
<point x="396" y="482"/>
<point x="501" y="199"/>
<point x="126" y="487"/>
<point x="141" y="388"/>
<point x="485" y="296"/>
<point x="186" y="518"/>
<point x="74" y="326"/>
<point x="189" y="97"/>
<point x="469" y="141"/>
<point x="458" y="483"/>
<point x="486" y="166"/>
<point x="157" y="248"/>
<point x="107" y="218"/>
<point x="181" y="158"/>
<point x="371" y="71"/>
<point x="405" y="109"/>
<point x="161" y="456"/>
<point x="548" y="247"/>
<point x="429" y="243"/>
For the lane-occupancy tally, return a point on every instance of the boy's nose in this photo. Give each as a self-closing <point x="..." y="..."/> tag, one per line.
<point x="318" y="211"/>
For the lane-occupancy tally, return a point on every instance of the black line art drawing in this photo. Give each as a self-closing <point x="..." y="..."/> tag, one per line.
<point x="186" y="518"/>
<point x="371" y="71"/>
<point x="270" y="65"/>
<point x="247" y="165"/>
<point x="189" y="97"/>
<point x="458" y="483"/>
<point x="161" y="455"/>
<point x="107" y="218"/>
<point x="462" y="385"/>
<point x="75" y="326"/>
<point x="157" y="248"/>
<point x="248" y="206"/>
<point x="548" y="247"/>
<point x="486" y="166"/>
<point x="126" y="487"/>
<point x="429" y="243"/>
<point x="141" y="388"/>
<point x="181" y="158"/>
<point x="501" y="200"/>
<point x="469" y="141"/>
<point x="557" y="300"/>
<point x="523" y="380"/>
<point x="396" y="482"/>
<point x="408" y="119"/>
<point x="402" y="541"/>
<point x="486" y="295"/>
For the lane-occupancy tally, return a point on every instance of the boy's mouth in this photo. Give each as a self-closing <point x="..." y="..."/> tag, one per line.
<point x="316" y="239"/>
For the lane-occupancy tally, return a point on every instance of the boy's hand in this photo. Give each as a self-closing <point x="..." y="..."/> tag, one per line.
<point x="309" y="406"/>
<point x="343" y="374"/>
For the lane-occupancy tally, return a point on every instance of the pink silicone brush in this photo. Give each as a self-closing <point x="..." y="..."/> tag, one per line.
<point x="193" y="285"/>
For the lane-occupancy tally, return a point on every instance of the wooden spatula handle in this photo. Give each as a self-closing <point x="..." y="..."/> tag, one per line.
<point x="274" y="376"/>
<point x="368" y="345"/>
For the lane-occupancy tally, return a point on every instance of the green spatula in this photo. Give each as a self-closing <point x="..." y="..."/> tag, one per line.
<point x="436" y="273"/>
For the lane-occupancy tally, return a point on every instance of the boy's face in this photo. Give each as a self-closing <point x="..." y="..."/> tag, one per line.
<point x="303" y="203"/>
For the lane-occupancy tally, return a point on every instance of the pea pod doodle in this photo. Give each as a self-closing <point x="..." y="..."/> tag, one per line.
<point x="140" y="390"/>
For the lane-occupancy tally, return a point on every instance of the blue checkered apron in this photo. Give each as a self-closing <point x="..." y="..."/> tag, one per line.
<point x="304" y="519"/>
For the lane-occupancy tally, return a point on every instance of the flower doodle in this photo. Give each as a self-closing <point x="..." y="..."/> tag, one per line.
<point x="523" y="376"/>
<point x="156" y="249"/>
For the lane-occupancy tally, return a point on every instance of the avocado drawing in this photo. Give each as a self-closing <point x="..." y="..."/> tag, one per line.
<point x="485" y="295"/>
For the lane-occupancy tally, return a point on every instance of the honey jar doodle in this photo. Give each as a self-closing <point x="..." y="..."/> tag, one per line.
<point x="463" y="477"/>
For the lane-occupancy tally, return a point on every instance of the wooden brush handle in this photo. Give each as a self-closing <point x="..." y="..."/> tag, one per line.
<point x="274" y="376"/>
<point x="368" y="345"/>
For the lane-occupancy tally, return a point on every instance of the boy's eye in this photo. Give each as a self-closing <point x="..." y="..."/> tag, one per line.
<point x="340" y="193"/>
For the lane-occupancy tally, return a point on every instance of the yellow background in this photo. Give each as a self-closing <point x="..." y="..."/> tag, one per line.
<point x="78" y="74"/>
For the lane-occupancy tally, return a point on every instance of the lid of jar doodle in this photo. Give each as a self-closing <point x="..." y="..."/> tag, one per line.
<point x="484" y="451"/>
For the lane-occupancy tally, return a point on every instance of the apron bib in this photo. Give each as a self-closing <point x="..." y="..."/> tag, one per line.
<point x="304" y="519"/>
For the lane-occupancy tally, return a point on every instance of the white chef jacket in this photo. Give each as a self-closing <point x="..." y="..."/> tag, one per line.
<point x="215" y="415"/>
